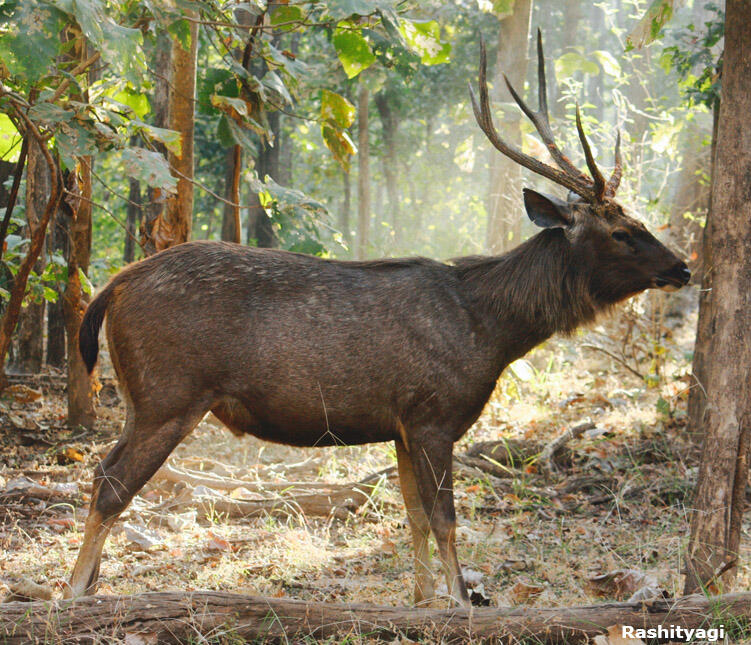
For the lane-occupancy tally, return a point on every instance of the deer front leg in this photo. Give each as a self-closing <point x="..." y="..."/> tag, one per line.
<point x="431" y="457"/>
<point x="419" y="524"/>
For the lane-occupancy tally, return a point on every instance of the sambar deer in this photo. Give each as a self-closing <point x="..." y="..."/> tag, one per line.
<point x="313" y="352"/>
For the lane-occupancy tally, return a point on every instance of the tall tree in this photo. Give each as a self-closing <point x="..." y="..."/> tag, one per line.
<point x="133" y="213"/>
<point x="720" y="494"/>
<point x="384" y="101"/>
<point x="176" y="224"/>
<point x="154" y="211"/>
<point x="29" y="353"/>
<point x="363" y="175"/>
<point x="80" y="393"/>
<point x="231" y="227"/>
<point x="504" y="200"/>
<point x="57" y="242"/>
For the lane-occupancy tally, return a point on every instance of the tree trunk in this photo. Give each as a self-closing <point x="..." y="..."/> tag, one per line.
<point x="390" y="125"/>
<point x="720" y="490"/>
<point x="133" y="219"/>
<point x="175" y="225"/>
<point x="80" y="391"/>
<point x="697" y="398"/>
<point x="231" y="227"/>
<point x="260" y="228"/>
<point x="363" y="177"/>
<point x="13" y="308"/>
<point x="29" y="354"/>
<point x="57" y="241"/>
<point x="154" y="211"/>
<point x="504" y="201"/>
<point x="344" y="213"/>
<point x="176" y="617"/>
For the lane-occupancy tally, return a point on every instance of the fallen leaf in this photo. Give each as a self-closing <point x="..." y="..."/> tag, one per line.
<point x="141" y="537"/>
<point x="217" y="543"/>
<point x="621" y="583"/>
<point x="23" y="393"/>
<point x="72" y="454"/>
<point x="523" y="592"/>
<point x="141" y="638"/>
<point x="615" y="637"/>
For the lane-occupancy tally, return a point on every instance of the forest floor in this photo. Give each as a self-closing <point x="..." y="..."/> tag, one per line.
<point x="611" y="522"/>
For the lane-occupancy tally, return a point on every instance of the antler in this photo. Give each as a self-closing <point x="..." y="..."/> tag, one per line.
<point x="540" y="119"/>
<point x="598" y="179"/>
<point x="569" y="175"/>
<point x="485" y="121"/>
<point x="615" y="178"/>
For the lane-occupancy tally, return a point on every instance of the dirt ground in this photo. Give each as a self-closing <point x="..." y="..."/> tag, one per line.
<point x="619" y="501"/>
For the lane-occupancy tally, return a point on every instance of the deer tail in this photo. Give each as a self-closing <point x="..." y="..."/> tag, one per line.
<point x="88" y="335"/>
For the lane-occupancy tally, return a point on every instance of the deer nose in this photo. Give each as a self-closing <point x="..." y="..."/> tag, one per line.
<point x="682" y="272"/>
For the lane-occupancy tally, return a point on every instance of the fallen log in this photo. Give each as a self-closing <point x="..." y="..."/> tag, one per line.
<point x="339" y="502"/>
<point x="173" y="617"/>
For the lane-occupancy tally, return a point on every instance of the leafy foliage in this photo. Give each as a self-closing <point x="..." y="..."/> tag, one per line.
<point x="696" y="57"/>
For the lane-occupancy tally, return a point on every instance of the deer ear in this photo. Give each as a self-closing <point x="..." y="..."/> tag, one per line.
<point x="547" y="211"/>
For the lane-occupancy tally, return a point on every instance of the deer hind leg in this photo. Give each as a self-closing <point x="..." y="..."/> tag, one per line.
<point x="419" y="525"/>
<point x="431" y="461"/>
<point x="140" y="452"/>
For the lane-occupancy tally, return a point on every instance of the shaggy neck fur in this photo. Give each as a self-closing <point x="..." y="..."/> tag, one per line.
<point x="536" y="290"/>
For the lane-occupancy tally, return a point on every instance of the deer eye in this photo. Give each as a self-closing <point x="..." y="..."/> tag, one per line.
<point x="621" y="236"/>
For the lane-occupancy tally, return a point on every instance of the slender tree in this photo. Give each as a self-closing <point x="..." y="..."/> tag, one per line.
<point x="390" y="125"/>
<point x="154" y="211"/>
<point x="363" y="177"/>
<point x="29" y="348"/>
<point x="175" y="226"/>
<point x="80" y="393"/>
<point x="720" y="493"/>
<point x="504" y="200"/>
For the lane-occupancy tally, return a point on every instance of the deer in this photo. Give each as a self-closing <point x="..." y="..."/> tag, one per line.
<point x="307" y="351"/>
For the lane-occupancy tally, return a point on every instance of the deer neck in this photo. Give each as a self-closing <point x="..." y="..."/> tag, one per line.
<point x="532" y="292"/>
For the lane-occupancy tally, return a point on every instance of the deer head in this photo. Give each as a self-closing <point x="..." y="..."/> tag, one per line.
<point x="626" y="258"/>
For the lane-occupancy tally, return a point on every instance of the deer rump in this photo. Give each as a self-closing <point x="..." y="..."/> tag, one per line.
<point x="291" y="348"/>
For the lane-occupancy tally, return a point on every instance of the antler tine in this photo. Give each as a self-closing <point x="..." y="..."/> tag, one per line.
<point x="542" y="84"/>
<point x="541" y="120"/>
<point x="485" y="121"/>
<point x="615" y="178"/>
<point x="598" y="179"/>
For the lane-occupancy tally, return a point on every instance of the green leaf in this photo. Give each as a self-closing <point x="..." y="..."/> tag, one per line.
<point x="136" y="101"/>
<point x="572" y="62"/>
<point x="13" y="241"/>
<point x="150" y="168"/>
<point x="503" y="8"/>
<point x="235" y="107"/>
<point x="424" y="38"/>
<point x="285" y="14"/>
<point x="353" y="51"/>
<point x="171" y="139"/>
<point x="30" y="43"/>
<point x="340" y="9"/>
<point x="9" y="139"/>
<point x="180" y="30"/>
<point x="85" y="282"/>
<point x="608" y="63"/>
<point x="339" y="143"/>
<point x="49" y="113"/>
<point x="337" y="109"/>
<point x="650" y="25"/>
<point x="119" y="46"/>
<point x="272" y="81"/>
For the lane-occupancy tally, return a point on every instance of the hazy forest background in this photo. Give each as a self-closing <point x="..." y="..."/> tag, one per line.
<point x="344" y="129"/>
